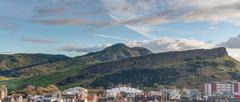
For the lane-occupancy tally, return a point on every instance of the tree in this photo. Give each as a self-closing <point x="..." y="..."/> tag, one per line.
<point x="40" y="91"/>
<point x="30" y="90"/>
<point x="52" y="88"/>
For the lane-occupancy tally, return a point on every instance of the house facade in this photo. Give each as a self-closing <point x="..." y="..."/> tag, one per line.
<point x="223" y="89"/>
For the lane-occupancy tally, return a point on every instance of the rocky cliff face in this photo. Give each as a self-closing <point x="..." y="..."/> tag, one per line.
<point x="191" y="54"/>
<point x="178" y="67"/>
<point x="154" y="60"/>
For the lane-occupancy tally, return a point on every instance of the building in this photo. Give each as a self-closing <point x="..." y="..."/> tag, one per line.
<point x="3" y="92"/>
<point x="191" y="95"/>
<point x="219" y="88"/>
<point x="227" y="89"/>
<point x="13" y="99"/>
<point x="131" y="92"/>
<point x="154" y="96"/>
<point x="94" y="98"/>
<point x="46" y="98"/>
<point x="76" y="93"/>
<point x="171" y="94"/>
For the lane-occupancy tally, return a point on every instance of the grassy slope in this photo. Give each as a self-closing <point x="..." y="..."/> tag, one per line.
<point x="185" y="69"/>
<point x="20" y="60"/>
<point x="191" y="74"/>
<point x="2" y="78"/>
<point x="183" y="74"/>
<point x="45" y="79"/>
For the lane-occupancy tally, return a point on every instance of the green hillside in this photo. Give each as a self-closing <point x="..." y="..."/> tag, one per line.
<point x="36" y="64"/>
<point x="181" y="69"/>
<point x="191" y="74"/>
<point x="20" y="64"/>
<point x="15" y="61"/>
<point x="53" y="71"/>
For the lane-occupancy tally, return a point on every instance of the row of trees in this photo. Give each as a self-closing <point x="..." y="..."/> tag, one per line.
<point x="32" y="90"/>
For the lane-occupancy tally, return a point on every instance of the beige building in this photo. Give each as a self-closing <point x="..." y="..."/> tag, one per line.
<point x="3" y="92"/>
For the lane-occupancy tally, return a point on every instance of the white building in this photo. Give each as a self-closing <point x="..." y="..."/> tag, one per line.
<point x="155" y="93"/>
<point x="132" y="92"/>
<point x="76" y="93"/>
<point x="76" y="90"/>
<point x="47" y="98"/>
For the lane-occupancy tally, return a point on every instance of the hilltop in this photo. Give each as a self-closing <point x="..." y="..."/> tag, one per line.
<point x="119" y="64"/>
<point x="35" y="64"/>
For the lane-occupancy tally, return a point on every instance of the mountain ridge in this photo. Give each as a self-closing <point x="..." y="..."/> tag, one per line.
<point x="118" y="51"/>
<point x="114" y="52"/>
<point x="153" y="60"/>
<point x="189" y="68"/>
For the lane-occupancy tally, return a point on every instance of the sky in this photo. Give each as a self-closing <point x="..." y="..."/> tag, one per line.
<point x="77" y="27"/>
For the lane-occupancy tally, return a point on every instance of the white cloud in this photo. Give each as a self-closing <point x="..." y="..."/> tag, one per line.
<point x="141" y="30"/>
<point x="74" y="48"/>
<point x="155" y="12"/>
<point x="233" y="42"/>
<point x="163" y="44"/>
<point x="233" y="47"/>
<point x="39" y="41"/>
<point x="171" y="44"/>
<point x="160" y="45"/>
<point x="142" y="15"/>
<point x="234" y="52"/>
<point x="8" y="53"/>
<point x="146" y="13"/>
<point x="111" y="37"/>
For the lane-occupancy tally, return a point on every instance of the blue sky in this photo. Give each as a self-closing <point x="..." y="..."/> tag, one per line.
<point x="76" y="27"/>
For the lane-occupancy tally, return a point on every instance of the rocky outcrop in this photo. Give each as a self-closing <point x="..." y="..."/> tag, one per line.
<point x="117" y="52"/>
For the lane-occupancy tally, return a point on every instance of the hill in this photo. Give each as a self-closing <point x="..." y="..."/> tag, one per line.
<point x="117" y="52"/>
<point x="35" y="64"/>
<point x="181" y="69"/>
<point x="15" y="61"/>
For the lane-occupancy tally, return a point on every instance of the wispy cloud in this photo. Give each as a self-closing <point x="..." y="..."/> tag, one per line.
<point x="77" y="21"/>
<point x="8" y="53"/>
<point x="39" y="41"/>
<point x="112" y="37"/>
<point x="49" y="11"/>
<point x="6" y="25"/>
<point x="10" y="27"/>
<point x="74" y="48"/>
<point x="164" y="44"/>
<point x="149" y="13"/>
<point x="160" y="45"/>
<point x="155" y="12"/>
<point x="142" y="15"/>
